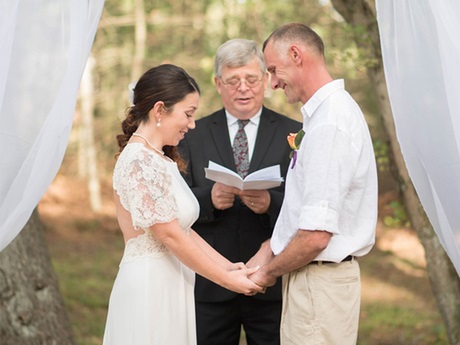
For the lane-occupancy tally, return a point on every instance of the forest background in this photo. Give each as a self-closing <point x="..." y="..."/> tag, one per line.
<point x="84" y="241"/>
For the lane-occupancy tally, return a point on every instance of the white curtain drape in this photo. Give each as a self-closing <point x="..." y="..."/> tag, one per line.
<point x="421" y="56"/>
<point x="44" y="46"/>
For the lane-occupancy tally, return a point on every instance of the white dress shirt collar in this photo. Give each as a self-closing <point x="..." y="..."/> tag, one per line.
<point x="324" y="92"/>
<point x="231" y="120"/>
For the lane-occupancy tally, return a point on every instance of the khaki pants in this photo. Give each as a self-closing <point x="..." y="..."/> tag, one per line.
<point x="321" y="304"/>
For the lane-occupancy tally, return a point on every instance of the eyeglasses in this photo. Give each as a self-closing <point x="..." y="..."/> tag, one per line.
<point x="235" y="83"/>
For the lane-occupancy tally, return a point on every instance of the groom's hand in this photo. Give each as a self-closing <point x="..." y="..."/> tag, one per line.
<point x="262" y="257"/>
<point x="261" y="278"/>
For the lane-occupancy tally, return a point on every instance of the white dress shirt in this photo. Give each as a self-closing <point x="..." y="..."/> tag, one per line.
<point x="250" y="129"/>
<point x="333" y="185"/>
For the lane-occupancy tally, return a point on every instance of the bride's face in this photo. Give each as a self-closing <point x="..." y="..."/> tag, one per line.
<point x="180" y="119"/>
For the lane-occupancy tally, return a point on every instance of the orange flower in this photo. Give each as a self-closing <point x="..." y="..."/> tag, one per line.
<point x="294" y="140"/>
<point x="291" y="139"/>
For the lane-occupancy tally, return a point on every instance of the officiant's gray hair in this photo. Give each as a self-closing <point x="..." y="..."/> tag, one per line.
<point x="238" y="52"/>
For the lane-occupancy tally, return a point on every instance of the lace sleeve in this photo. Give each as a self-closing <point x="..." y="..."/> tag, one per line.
<point x="143" y="184"/>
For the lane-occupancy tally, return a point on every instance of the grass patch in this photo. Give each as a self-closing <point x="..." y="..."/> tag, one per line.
<point x="86" y="273"/>
<point x="383" y="323"/>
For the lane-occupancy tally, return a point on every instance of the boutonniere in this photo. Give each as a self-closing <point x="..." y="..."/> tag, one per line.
<point x="294" y="140"/>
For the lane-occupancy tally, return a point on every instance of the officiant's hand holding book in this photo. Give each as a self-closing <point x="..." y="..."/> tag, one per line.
<point x="265" y="178"/>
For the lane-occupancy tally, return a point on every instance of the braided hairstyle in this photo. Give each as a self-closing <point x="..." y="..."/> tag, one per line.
<point x="167" y="83"/>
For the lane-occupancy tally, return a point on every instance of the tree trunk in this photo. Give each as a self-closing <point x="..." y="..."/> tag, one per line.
<point x="444" y="280"/>
<point x="140" y="39"/>
<point x="87" y="144"/>
<point x="32" y="310"/>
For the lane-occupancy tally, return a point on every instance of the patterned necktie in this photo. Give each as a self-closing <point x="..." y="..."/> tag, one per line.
<point x="240" y="150"/>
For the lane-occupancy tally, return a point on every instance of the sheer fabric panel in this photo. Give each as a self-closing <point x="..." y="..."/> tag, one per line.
<point x="421" y="54"/>
<point x="44" y="47"/>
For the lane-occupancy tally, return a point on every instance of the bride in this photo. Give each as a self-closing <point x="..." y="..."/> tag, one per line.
<point x="152" y="300"/>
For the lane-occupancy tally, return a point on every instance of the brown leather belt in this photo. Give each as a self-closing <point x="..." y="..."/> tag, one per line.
<point x="348" y="258"/>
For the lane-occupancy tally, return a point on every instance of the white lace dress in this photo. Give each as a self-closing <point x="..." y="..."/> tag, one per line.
<point x="152" y="301"/>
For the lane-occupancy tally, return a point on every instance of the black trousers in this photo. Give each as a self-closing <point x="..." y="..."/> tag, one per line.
<point x="219" y="323"/>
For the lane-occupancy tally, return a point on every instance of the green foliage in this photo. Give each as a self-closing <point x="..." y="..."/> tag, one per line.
<point x="356" y="58"/>
<point x="398" y="218"/>
<point x="187" y="33"/>
<point x="382" y="154"/>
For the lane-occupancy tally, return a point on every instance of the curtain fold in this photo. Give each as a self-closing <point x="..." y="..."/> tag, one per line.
<point x="421" y="54"/>
<point x="44" y="47"/>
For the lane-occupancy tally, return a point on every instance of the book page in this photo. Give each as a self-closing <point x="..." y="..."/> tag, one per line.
<point x="265" y="178"/>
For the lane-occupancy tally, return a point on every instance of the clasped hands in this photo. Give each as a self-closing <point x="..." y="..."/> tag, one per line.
<point x="257" y="269"/>
<point x="223" y="197"/>
<point x="254" y="282"/>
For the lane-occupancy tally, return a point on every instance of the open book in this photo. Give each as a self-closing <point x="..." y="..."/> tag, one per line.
<point x="265" y="178"/>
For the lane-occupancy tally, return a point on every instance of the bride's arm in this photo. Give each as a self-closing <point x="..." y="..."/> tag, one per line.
<point x="206" y="262"/>
<point x="214" y="254"/>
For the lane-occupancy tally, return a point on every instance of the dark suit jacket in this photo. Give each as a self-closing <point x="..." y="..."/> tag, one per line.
<point x="236" y="232"/>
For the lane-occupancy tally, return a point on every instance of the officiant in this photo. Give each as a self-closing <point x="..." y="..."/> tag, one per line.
<point x="243" y="136"/>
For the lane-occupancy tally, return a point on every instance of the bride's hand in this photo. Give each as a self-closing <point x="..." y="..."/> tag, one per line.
<point x="239" y="282"/>
<point x="237" y="266"/>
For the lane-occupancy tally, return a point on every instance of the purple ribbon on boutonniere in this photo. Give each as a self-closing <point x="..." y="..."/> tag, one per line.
<point x="294" y="158"/>
<point x="294" y="140"/>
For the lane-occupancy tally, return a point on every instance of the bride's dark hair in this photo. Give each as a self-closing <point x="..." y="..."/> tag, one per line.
<point x="167" y="83"/>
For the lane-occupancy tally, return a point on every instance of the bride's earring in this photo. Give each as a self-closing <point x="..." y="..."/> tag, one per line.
<point x="162" y="109"/>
